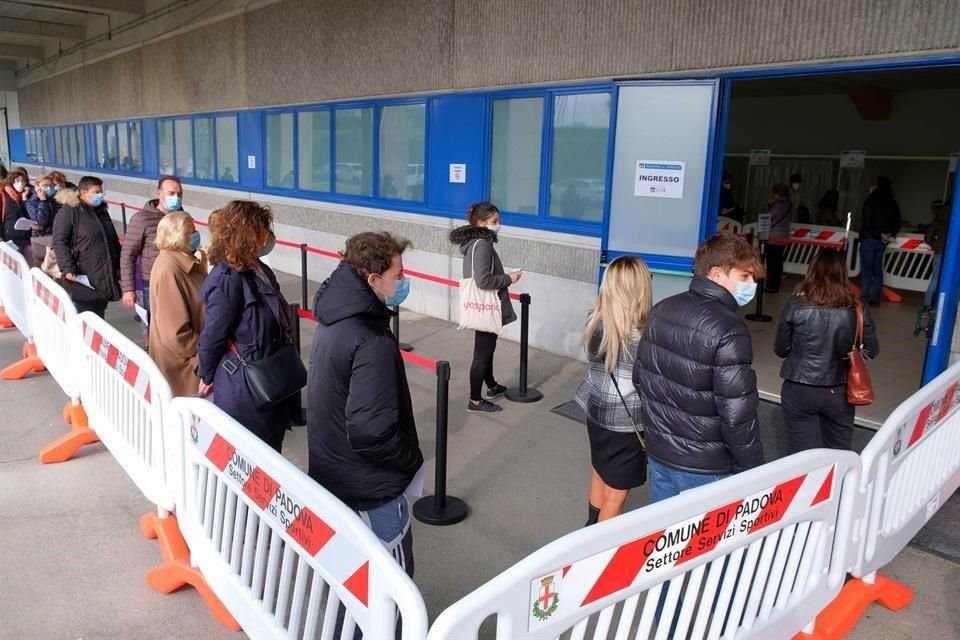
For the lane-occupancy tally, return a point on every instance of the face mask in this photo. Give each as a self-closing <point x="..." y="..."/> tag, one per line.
<point x="96" y="199"/>
<point x="18" y="186"/>
<point x="195" y="241"/>
<point x="745" y="292"/>
<point x="494" y="227"/>
<point x="171" y="203"/>
<point x="50" y="191"/>
<point x="267" y="248"/>
<point x="727" y="186"/>
<point x="796" y="186"/>
<point x="399" y="295"/>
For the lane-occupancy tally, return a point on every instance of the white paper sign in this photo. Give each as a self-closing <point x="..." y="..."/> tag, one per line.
<point x="852" y="159"/>
<point x="659" y="178"/>
<point x="458" y="173"/>
<point x="251" y="162"/>
<point x="763" y="225"/>
<point x="759" y="157"/>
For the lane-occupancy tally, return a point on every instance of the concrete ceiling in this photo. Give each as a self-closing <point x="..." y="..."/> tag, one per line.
<point x="897" y="80"/>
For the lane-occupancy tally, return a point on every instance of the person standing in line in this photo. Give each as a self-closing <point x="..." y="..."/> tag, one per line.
<point x="728" y="202"/>
<point x="607" y="395"/>
<point x="140" y="240"/>
<point x="361" y="429"/>
<point x="482" y="263"/>
<point x="177" y="321"/>
<point x="781" y="216"/>
<point x="13" y="207"/>
<point x="936" y="237"/>
<point x="43" y="206"/>
<point x="879" y="225"/>
<point x="827" y="207"/>
<point x="698" y="389"/>
<point x="816" y="330"/>
<point x="800" y="211"/>
<point x="86" y="244"/>
<point x="246" y="318"/>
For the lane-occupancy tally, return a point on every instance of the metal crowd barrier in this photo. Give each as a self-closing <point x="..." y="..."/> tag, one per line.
<point x="15" y="306"/>
<point x="908" y="263"/>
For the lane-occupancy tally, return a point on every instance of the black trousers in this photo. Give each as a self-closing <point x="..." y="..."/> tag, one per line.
<point x="99" y="307"/>
<point x="481" y="371"/>
<point x="815" y="414"/>
<point x="774" y="266"/>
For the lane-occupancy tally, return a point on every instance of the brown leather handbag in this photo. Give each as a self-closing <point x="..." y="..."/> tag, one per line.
<point x="859" y="386"/>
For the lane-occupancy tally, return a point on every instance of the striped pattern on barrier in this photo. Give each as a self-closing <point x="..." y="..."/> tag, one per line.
<point x="11" y="264"/>
<point x="818" y="237"/>
<point x="931" y="416"/>
<point x="347" y="564"/>
<point x="910" y="244"/>
<point x="50" y="299"/>
<point x="128" y="370"/>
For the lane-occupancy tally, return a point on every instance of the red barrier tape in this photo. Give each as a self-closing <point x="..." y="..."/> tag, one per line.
<point x="412" y="358"/>
<point x="337" y="256"/>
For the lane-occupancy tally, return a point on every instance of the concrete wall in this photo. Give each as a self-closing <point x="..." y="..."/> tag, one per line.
<point x="297" y="51"/>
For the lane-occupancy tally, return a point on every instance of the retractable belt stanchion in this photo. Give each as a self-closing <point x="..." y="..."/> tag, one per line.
<point x="758" y="315"/>
<point x="441" y="509"/>
<point x="522" y="393"/>
<point x="396" y="329"/>
<point x="304" y="303"/>
<point x="297" y="414"/>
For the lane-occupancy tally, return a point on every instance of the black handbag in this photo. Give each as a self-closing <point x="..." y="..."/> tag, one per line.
<point x="274" y="378"/>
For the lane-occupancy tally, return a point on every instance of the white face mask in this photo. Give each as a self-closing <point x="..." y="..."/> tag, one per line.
<point x="494" y="227"/>
<point x="18" y="186"/>
<point x="796" y="186"/>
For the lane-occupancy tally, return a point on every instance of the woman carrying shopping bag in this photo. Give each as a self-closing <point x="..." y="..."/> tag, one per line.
<point x="484" y="300"/>
<point x="607" y="394"/>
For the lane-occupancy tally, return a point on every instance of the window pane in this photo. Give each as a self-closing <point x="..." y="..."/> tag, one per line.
<point x="58" y="144"/>
<point x="402" y="142"/>
<point x="81" y="147"/>
<point x="123" y="131"/>
<point x="280" y="150"/>
<point x="578" y="167"/>
<point x="515" y="157"/>
<point x="184" y="148"/>
<point x="111" y="142"/>
<point x="101" y="146"/>
<point x="70" y="146"/>
<point x="313" y="130"/>
<point x="227" y="149"/>
<point x="136" y="148"/>
<point x="45" y="144"/>
<point x="354" y="168"/>
<point x="165" y="145"/>
<point x="203" y="147"/>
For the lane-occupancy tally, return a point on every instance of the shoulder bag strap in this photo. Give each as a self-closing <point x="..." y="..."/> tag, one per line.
<point x="636" y="428"/>
<point x="858" y="337"/>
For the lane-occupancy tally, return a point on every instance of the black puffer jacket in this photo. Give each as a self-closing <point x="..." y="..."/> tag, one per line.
<point x="815" y="341"/>
<point x="86" y="243"/>
<point x="697" y="387"/>
<point x="362" y="435"/>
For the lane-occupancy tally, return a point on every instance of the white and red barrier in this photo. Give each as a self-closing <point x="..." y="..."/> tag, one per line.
<point x="728" y="224"/>
<point x="58" y="341"/>
<point x="15" y="308"/>
<point x="757" y="555"/>
<point x="286" y="558"/>
<point x="908" y="263"/>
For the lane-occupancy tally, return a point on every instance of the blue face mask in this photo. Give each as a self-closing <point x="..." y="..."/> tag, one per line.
<point x="195" y="241"/>
<point x="171" y="203"/>
<point x="97" y="199"/>
<point x="399" y="295"/>
<point x="745" y="292"/>
<point x="50" y="191"/>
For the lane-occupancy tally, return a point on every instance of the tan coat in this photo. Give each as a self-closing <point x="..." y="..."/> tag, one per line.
<point x="176" y="318"/>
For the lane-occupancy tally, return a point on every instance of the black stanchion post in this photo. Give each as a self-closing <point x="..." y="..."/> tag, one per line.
<point x="396" y="329"/>
<point x="123" y="216"/>
<point x="297" y="414"/>
<point x="441" y="509"/>
<point x="522" y="393"/>
<point x="758" y="315"/>
<point x="304" y="303"/>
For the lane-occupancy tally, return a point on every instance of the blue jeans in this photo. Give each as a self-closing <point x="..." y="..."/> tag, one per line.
<point x="871" y="269"/>
<point x="666" y="482"/>
<point x="934" y="280"/>
<point x="391" y="523"/>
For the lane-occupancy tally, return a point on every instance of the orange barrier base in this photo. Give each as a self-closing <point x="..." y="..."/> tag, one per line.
<point x="888" y="293"/>
<point x="63" y="448"/>
<point x="839" y="618"/>
<point x="30" y="364"/>
<point x="5" y="321"/>
<point x="175" y="572"/>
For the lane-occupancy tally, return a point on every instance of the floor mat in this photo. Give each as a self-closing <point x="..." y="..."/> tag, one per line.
<point x="940" y="536"/>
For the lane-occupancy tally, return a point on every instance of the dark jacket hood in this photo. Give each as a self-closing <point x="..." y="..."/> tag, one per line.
<point x="345" y="294"/>
<point x="466" y="234"/>
<point x="152" y="208"/>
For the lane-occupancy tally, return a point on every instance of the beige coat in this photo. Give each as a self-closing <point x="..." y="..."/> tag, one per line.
<point x="176" y="318"/>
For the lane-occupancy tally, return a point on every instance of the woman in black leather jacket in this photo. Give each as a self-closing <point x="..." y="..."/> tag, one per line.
<point x="816" y="330"/>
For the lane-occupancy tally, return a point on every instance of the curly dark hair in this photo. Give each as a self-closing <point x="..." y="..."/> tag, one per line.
<point x="239" y="230"/>
<point x="373" y="251"/>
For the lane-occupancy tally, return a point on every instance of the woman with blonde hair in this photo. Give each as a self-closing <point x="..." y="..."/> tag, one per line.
<point x="177" y="318"/>
<point x="607" y="394"/>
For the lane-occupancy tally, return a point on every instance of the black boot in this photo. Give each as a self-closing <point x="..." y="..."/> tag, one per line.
<point x="593" y="514"/>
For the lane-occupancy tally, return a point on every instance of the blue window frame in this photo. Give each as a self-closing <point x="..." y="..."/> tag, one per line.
<point x="118" y="146"/>
<point x="199" y="148"/>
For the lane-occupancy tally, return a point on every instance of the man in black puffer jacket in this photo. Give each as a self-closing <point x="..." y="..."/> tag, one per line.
<point x="362" y="434"/>
<point x="693" y="371"/>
